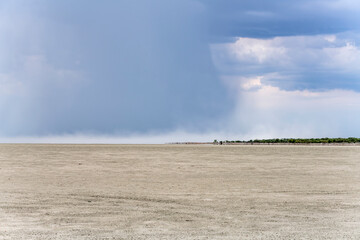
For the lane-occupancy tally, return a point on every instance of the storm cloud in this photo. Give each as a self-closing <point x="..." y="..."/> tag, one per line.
<point x="179" y="68"/>
<point x="118" y="66"/>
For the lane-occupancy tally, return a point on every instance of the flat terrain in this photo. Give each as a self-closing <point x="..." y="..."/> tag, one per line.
<point x="179" y="192"/>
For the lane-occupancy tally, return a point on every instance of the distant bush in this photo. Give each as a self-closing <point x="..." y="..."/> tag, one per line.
<point x="298" y="140"/>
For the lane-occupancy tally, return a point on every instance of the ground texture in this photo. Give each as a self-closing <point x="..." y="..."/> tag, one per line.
<point x="179" y="192"/>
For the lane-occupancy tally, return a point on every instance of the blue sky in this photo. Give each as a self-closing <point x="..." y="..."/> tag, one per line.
<point x="125" y="71"/>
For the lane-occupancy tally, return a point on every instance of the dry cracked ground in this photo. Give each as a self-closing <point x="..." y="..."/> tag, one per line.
<point x="179" y="192"/>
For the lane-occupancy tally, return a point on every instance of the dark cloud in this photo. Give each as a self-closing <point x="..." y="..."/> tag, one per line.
<point x="117" y="66"/>
<point x="139" y="66"/>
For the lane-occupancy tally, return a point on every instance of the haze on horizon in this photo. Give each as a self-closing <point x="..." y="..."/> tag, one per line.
<point x="165" y="71"/>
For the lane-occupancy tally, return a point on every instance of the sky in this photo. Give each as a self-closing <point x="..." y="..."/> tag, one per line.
<point x="166" y="71"/>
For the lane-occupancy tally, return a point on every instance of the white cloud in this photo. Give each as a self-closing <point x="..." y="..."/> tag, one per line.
<point x="251" y="83"/>
<point x="352" y="5"/>
<point x="301" y="53"/>
<point x="294" y="86"/>
<point x="345" y="58"/>
<point x="257" y="50"/>
<point x="268" y="111"/>
<point x="330" y="38"/>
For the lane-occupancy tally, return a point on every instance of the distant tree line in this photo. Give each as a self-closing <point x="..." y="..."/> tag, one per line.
<point x="295" y="140"/>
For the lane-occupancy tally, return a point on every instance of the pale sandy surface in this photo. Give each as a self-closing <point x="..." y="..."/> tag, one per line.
<point x="179" y="192"/>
